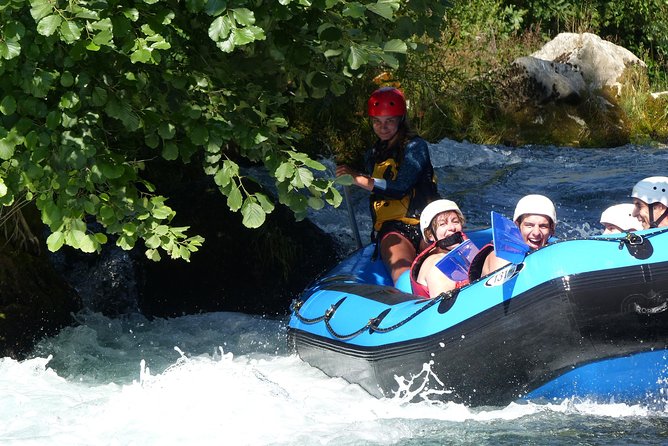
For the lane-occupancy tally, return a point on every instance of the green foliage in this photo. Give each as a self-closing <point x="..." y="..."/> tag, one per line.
<point x="92" y="92"/>
<point x="452" y="85"/>
<point x="459" y="89"/>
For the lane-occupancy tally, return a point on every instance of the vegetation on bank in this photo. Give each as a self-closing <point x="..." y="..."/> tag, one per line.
<point x="95" y="97"/>
<point x="456" y="85"/>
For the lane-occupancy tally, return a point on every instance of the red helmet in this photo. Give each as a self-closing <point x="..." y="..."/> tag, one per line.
<point x="386" y="101"/>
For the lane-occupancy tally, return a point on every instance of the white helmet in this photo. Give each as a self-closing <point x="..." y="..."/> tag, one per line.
<point x="621" y="216"/>
<point x="535" y="204"/>
<point x="652" y="190"/>
<point x="433" y="209"/>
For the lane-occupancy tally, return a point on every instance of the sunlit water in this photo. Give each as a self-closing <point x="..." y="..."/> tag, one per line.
<point x="229" y="378"/>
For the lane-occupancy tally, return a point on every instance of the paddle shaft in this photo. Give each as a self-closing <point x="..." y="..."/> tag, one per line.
<point x="351" y="215"/>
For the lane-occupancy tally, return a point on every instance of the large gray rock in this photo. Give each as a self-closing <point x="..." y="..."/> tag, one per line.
<point x="569" y="92"/>
<point x="600" y="62"/>
<point x="573" y="65"/>
<point x="554" y="81"/>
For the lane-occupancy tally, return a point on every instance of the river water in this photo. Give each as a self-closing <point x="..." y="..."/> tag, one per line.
<point x="229" y="378"/>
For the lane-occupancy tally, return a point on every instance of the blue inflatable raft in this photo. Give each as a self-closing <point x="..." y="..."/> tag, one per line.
<point x="578" y="318"/>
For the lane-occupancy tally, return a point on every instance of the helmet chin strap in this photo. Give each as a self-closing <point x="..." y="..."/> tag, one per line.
<point x="655" y="223"/>
<point x="452" y="239"/>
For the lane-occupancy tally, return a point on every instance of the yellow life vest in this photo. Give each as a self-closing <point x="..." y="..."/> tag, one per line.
<point x="386" y="209"/>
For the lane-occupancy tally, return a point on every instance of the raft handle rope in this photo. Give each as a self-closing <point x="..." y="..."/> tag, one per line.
<point x="371" y="325"/>
<point x="631" y="239"/>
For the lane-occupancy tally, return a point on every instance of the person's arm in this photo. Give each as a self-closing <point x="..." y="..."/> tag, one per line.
<point x="492" y="263"/>
<point x="359" y="179"/>
<point x="438" y="283"/>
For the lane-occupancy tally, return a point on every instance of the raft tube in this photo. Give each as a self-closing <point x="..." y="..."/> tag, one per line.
<point x="582" y="318"/>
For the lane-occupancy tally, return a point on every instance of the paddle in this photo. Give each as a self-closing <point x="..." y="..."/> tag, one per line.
<point x="351" y="215"/>
<point x="508" y="242"/>
<point x="456" y="263"/>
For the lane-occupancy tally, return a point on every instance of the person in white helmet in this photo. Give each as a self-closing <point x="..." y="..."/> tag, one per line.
<point x="536" y="217"/>
<point x="619" y="218"/>
<point x="441" y="224"/>
<point x="650" y="202"/>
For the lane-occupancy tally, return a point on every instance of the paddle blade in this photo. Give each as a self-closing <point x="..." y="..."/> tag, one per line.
<point x="456" y="263"/>
<point x="508" y="242"/>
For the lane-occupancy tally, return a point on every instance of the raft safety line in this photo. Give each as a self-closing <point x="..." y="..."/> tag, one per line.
<point x="629" y="237"/>
<point x="373" y="323"/>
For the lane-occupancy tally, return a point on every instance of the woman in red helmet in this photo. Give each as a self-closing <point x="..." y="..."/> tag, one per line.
<point x="400" y="177"/>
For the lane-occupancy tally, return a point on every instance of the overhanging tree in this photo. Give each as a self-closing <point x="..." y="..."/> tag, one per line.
<point x="92" y="91"/>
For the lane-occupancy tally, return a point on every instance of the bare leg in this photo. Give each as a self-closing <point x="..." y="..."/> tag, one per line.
<point x="397" y="254"/>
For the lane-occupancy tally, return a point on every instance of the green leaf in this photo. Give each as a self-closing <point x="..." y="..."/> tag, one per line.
<point x="385" y="8"/>
<point x="333" y="53"/>
<point x="152" y="254"/>
<point x="69" y="31"/>
<point x="9" y="49"/>
<point x="66" y="79"/>
<point x="357" y="57"/>
<point x="8" y="105"/>
<point x="125" y="242"/>
<point x="88" y="243"/>
<point x="111" y="171"/>
<point x="220" y="29"/>
<point x="100" y="238"/>
<point x="243" y="16"/>
<point x="199" y="135"/>
<point x="344" y="180"/>
<point x="333" y="197"/>
<point x="265" y="202"/>
<point x="162" y="212"/>
<point x="215" y="7"/>
<point x="53" y="119"/>
<point x="314" y="165"/>
<point x="7" y="147"/>
<point x="153" y="242"/>
<point x="55" y="241"/>
<point x="167" y="130"/>
<point x="40" y="8"/>
<point x="285" y="170"/>
<point x="102" y="25"/>
<point x="395" y="46"/>
<point x="106" y="213"/>
<point x="170" y="151"/>
<point x="99" y="96"/>
<point x="49" y="24"/>
<point x="253" y="214"/>
<point x="316" y="203"/>
<point x="354" y="10"/>
<point x="234" y="199"/>
<point x="302" y="178"/>
<point x="243" y="36"/>
<point x="3" y="188"/>
<point x="123" y="110"/>
<point x="142" y="55"/>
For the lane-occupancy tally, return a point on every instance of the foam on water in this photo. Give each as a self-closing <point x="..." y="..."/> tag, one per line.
<point x="262" y="396"/>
